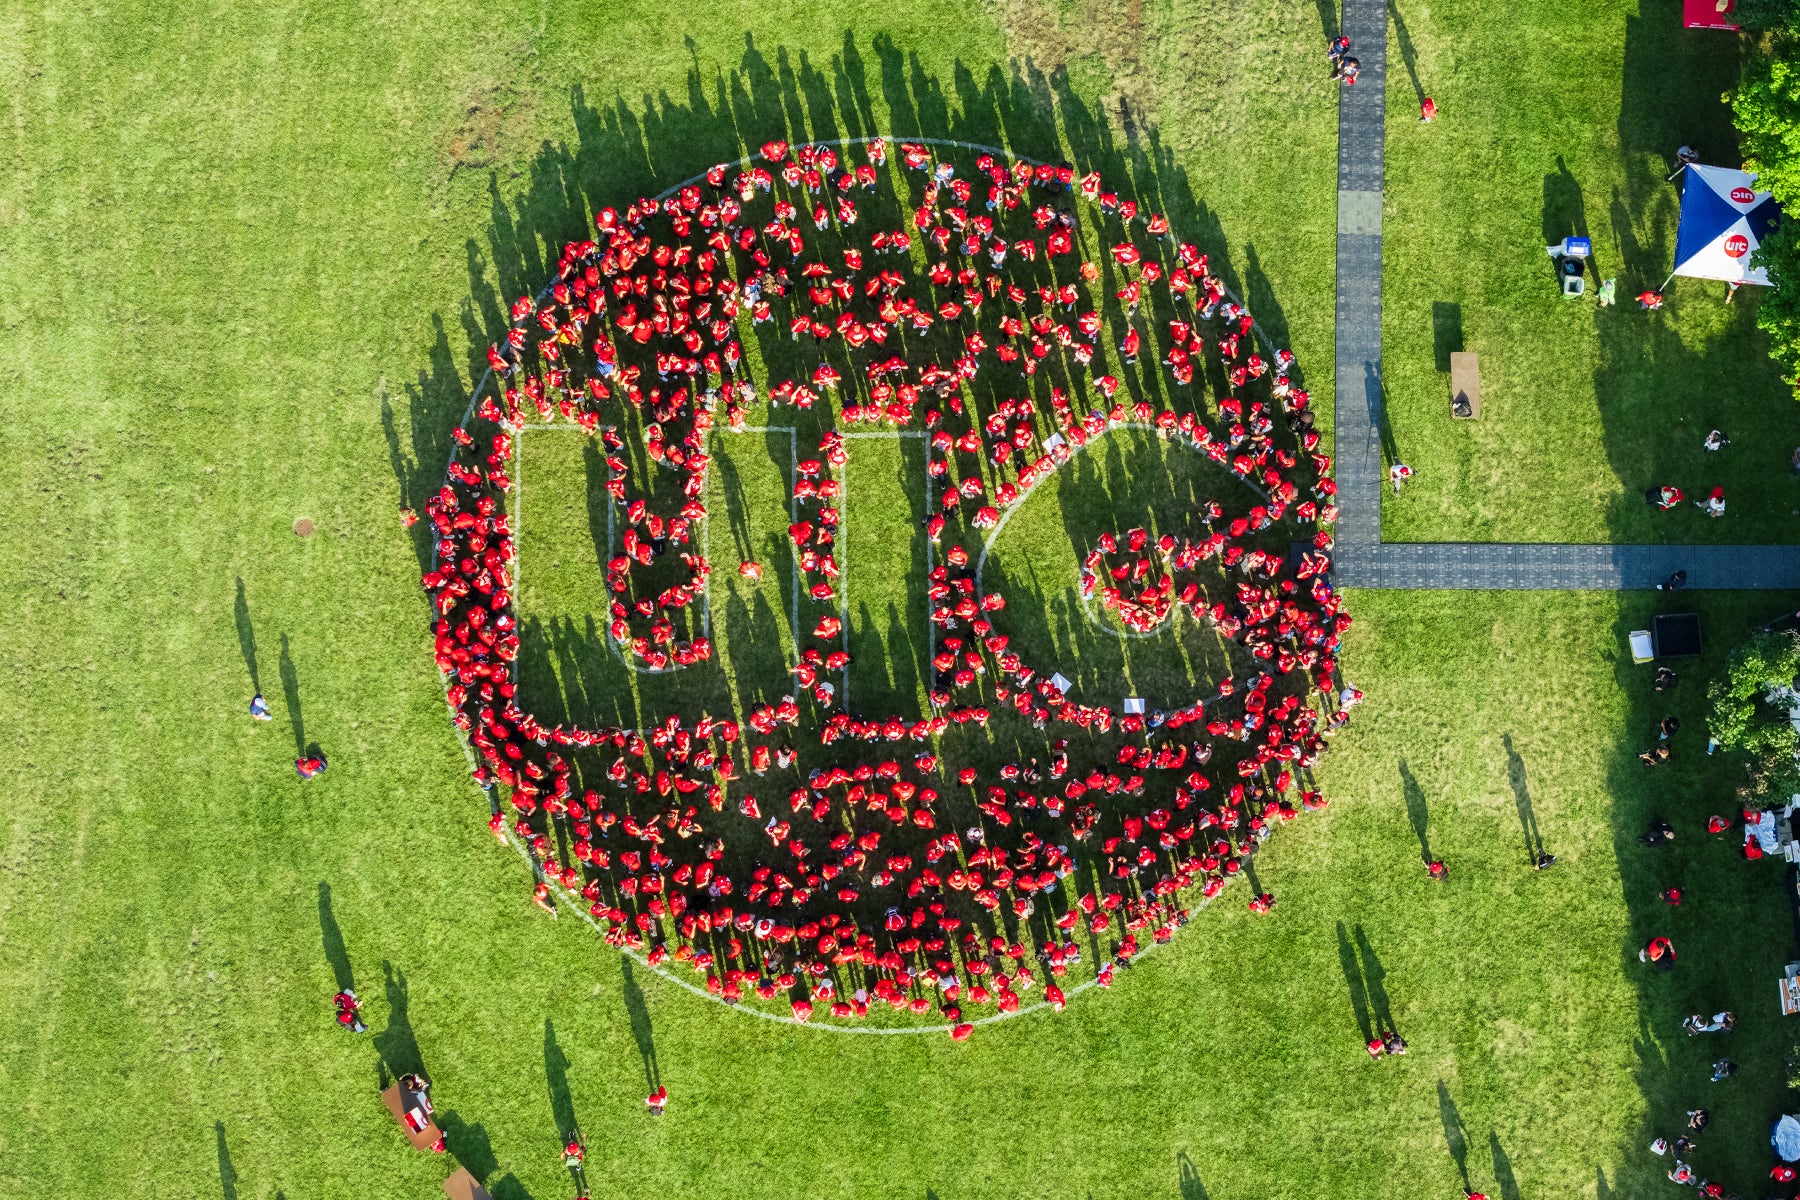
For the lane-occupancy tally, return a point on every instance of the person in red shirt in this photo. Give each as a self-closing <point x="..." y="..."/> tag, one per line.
<point x="1427" y="109"/>
<point x="657" y="1101"/>
<point x="1436" y="869"/>
<point x="310" y="765"/>
<point x="1650" y="301"/>
<point x="1671" y="895"/>
<point x="1660" y="952"/>
<point x="1781" y="1173"/>
<point x="1717" y="824"/>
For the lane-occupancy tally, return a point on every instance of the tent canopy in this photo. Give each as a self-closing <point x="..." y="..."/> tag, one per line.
<point x="1708" y="14"/>
<point x="1723" y="220"/>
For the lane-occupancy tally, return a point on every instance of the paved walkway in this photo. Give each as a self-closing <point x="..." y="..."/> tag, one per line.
<point x="1362" y="559"/>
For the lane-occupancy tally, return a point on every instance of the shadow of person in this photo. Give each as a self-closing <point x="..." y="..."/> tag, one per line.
<point x="1416" y="811"/>
<point x="246" y="632"/>
<point x="1375" y="979"/>
<point x="1408" y="54"/>
<point x="1187" y="1177"/>
<point x="1504" y="1178"/>
<point x="290" y="687"/>
<point x="1515" y="774"/>
<point x="398" y="1048"/>
<point x="1353" y="980"/>
<point x="1565" y="210"/>
<point x="639" y="1013"/>
<point x="1375" y="396"/>
<point x="333" y="938"/>
<point x="1456" y="1137"/>
<point x="556" y="1072"/>
<point x="228" y="1176"/>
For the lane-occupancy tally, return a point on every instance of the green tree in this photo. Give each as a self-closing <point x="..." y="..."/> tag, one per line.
<point x="1766" y="109"/>
<point x="1742" y="719"/>
<point x="1779" y="313"/>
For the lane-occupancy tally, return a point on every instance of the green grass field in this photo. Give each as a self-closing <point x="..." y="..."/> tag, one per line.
<point x="250" y="261"/>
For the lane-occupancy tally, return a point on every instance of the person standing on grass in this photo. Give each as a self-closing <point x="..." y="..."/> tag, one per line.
<point x="1667" y="728"/>
<point x="1714" y="504"/>
<point x="1659" y="952"/>
<point x="310" y="765"/>
<point x="1427" y="110"/>
<point x="1399" y="473"/>
<point x="657" y="1101"/>
<point x="1650" y="301"/>
<point x="1716" y="440"/>
<point x="1544" y="861"/>
<point x="259" y="708"/>
<point x="1435" y="868"/>
<point x="1670" y="896"/>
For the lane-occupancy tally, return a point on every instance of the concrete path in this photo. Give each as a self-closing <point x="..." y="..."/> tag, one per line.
<point x="1362" y="559"/>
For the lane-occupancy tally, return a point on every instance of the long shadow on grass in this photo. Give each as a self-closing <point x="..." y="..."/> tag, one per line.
<point x="228" y="1175"/>
<point x="333" y="939"/>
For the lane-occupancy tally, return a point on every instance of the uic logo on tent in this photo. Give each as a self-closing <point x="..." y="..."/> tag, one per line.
<point x="1737" y="245"/>
<point x="1742" y="195"/>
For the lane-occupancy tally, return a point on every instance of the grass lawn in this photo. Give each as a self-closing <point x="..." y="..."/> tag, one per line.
<point x="250" y="260"/>
<point x="1564" y="119"/>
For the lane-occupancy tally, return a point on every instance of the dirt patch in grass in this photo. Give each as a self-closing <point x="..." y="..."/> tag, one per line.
<point x="1098" y="45"/>
<point x="495" y="127"/>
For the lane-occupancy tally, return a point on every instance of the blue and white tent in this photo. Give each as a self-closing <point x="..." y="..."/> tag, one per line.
<point x="1723" y="220"/>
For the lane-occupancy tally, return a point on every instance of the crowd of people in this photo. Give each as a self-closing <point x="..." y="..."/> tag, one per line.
<point x="981" y="304"/>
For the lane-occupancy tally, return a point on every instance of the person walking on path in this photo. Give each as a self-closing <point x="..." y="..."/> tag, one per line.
<point x="1348" y="70"/>
<point x="1673" y="583"/>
